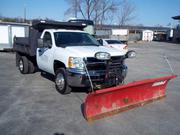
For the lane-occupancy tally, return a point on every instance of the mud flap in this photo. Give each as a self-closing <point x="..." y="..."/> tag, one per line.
<point x="109" y="101"/>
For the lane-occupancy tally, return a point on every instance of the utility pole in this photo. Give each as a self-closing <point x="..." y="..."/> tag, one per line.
<point x="76" y="8"/>
<point x="24" y="19"/>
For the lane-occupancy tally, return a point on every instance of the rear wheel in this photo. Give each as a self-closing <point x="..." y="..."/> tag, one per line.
<point x="23" y="65"/>
<point x="17" y="58"/>
<point x="61" y="81"/>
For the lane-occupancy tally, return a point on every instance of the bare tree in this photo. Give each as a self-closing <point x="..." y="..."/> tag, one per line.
<point x="101" y="11"/>
<point x="96" y="10"/>
<point x="1" y="17"/>
<point x="108" y="10"/>
<point x="73" y="7"/>
<point x="126" y="14"/>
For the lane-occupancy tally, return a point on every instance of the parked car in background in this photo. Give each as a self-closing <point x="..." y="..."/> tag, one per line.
<point x="117" y="44"/>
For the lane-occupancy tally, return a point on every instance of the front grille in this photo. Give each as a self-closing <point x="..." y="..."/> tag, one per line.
<point x="95" y="64"/>
<point x="117" y="59"/>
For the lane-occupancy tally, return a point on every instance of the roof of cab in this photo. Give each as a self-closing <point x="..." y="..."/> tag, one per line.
<point x="66" y="30"/>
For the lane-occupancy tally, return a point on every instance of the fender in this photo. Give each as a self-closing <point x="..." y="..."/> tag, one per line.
<point x="58" y="64"/>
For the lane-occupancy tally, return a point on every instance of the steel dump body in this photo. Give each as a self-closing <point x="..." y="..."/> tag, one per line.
<point x="110" y="101"/>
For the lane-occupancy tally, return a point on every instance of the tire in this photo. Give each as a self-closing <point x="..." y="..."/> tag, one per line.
<point x="61" y="81"/>
<point x="18" y="56"/>
<point x="23" y="64"/>
<point x="32" y="67"/>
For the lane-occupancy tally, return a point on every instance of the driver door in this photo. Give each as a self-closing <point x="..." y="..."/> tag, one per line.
<point x="45" y="54"/>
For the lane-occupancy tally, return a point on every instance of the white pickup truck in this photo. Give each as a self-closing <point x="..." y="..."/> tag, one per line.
<point x="73" y="56"/>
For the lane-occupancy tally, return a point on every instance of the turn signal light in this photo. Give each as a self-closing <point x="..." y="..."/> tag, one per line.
<point x="125" y="47"/>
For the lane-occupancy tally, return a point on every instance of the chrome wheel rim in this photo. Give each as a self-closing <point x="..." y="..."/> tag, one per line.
<point x="60" y="81"/>
<point x="21" y="66"/>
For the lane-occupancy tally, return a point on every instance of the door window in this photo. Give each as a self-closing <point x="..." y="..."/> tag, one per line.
<point x="47" y="40"/>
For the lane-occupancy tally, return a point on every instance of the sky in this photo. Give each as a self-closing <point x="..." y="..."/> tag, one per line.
<point x="147" y="13"/>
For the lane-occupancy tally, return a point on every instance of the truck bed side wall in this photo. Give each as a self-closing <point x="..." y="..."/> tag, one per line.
<point x="34" y="36"/>
<point x="27" y="45"/>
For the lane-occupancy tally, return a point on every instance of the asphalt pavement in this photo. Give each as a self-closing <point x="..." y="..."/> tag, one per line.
<point x="30" y="104"/>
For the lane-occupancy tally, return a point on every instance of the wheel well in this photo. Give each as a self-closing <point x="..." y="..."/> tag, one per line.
<point x="58" y="64"/>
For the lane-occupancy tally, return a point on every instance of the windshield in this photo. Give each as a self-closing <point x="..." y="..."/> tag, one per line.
<point x="113" y="42"/>
<point x="64" y="39"/>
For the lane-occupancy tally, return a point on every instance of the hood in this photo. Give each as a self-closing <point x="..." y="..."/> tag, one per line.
<point x="89" y="51"/>
<point x="118" y="46"/>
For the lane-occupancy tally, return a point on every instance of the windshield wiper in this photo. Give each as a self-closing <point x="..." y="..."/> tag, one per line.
<point x="76" y="44"/>
<point x="91" y="44"/>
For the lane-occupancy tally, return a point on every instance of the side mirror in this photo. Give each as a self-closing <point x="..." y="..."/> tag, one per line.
<point x="130" y="54"/>
<point x="40" y="43"/>
<point x="100" y="41"/>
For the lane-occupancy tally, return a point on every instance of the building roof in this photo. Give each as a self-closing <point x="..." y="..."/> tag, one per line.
<point x="176" y="17"/>
<point x="108" y="27"/>
<point x="14" y="23"/>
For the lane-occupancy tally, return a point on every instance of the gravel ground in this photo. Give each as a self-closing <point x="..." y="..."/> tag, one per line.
<point x="30" y="104"/>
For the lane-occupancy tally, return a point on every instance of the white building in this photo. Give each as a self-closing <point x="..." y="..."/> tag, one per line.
<point x="8" y="31"/>
<point x="147" y="35"/>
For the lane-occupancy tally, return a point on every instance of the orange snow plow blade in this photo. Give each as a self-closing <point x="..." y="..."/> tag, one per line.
<point x="109" y="101"/>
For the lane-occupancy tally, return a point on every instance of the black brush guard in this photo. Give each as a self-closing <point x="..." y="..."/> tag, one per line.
<point x="107" y="73"/>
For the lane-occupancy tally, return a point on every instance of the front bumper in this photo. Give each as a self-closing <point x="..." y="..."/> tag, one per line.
<point x="98" y="77"/>
<point x="77" y="79"/>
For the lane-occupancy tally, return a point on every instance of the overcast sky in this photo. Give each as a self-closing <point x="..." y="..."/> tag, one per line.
<point x="148" y="12"/>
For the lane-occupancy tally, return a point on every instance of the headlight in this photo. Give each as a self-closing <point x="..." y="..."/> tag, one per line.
<point x="76" y="62"/>
<point x="102" y="56"/>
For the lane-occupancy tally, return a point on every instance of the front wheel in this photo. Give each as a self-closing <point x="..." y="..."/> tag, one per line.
<point x="61" y="81"/>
